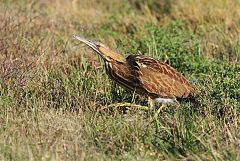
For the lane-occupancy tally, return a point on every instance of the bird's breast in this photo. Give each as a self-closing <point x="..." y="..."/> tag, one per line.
<point x="121" y="74"/>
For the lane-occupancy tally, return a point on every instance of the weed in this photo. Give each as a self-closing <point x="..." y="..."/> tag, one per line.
<point x="54" y="94"/>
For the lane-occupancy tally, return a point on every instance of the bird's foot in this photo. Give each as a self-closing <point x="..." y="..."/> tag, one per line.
<point x="129" y="106"/>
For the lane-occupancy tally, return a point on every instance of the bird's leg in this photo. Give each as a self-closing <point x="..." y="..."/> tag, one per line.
<point x="150" y="103"/>
<point x="160" y="108"/>
<point x="176" y="103"/>
<point x="128" y="106"/>
<point x="133" y="105"/>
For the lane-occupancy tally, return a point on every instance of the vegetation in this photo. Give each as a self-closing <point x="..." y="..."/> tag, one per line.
<point x="54" y="93"/>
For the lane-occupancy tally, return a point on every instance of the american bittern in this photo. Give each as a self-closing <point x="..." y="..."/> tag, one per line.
<point x="143" y="75"/>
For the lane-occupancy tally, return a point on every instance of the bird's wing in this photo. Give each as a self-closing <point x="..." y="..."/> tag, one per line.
<point x="159" y="78"/>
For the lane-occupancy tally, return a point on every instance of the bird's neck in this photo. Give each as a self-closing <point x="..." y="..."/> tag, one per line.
<point x="111" y="55"/>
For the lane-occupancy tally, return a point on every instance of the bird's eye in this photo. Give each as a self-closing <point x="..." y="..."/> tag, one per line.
<point x="96" y="43"/>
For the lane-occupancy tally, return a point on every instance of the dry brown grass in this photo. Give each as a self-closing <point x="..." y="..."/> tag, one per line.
<point x="54" y="93"/>
<point x="217" y="22"/>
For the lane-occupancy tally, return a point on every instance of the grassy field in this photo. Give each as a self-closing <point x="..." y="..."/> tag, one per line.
<point x="54" y="92"/>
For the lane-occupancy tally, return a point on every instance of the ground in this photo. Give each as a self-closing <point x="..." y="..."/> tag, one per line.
<point x="54" y="92"/>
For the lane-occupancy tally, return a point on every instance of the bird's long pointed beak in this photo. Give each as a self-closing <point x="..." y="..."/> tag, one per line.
<point x="90" y="43"/>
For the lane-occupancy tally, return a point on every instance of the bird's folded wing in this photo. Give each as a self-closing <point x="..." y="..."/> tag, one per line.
<point x="159" y="78"/>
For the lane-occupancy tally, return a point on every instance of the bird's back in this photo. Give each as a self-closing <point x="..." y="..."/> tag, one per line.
<point x="158" y="79"/>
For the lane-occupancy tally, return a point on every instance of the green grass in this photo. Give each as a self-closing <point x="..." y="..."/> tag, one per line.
<point x="54" y="92"/>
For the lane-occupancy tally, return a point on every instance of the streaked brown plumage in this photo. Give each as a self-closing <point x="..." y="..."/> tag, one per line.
<point x="144" y="75"/>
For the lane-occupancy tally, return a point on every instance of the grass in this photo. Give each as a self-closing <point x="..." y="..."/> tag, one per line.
<point x="54" y="93"/>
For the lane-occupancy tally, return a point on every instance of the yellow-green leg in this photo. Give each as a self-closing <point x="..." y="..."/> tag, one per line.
<point x="159" y="109"/>
<point x="150" y="103"/>
<point x="128" y="106"/>
<point x="152" y="106"/>
<point x="135" y="106"/>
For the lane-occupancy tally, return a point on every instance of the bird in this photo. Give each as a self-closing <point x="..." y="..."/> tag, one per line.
<point x="144" y="75"/>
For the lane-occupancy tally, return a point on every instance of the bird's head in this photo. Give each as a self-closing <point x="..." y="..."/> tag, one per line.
<point x="104" y="51"/>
